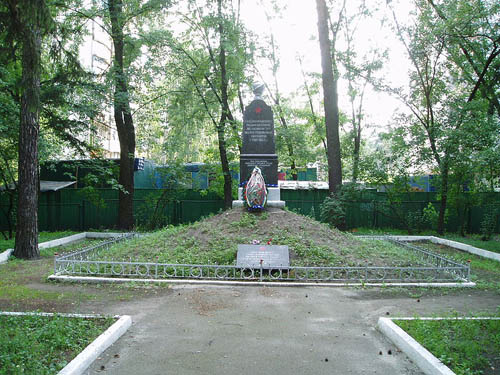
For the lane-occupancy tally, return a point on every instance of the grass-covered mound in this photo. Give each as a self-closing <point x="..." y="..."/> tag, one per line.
<point x="214" y="241"/>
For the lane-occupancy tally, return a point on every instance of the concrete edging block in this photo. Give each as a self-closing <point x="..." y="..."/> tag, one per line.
<point x="427" y="362"/>
<point x="95" y="279"/>
<point x="105" y="234"/>
<point x="83" y="360"/>
<point x="62" y="241"/>
<point x="4" y="256"/>
<point x="467" y="248"/>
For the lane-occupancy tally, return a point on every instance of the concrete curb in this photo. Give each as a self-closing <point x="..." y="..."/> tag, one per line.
<point x="94" y="279"/>
<point x="105" y="234"/>
<point x="454" y="244"/>
<point x="468" y="248"/>
<point x="62" y="240"/>
<point x="4" y="257"/>
<point x="416" y="352"/>
<point x="83" y="360"/>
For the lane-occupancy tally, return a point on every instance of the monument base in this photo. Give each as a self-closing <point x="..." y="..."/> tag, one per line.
<point x="273" y="198"/>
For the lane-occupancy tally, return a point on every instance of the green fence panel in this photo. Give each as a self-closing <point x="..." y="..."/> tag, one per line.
<point x="76" y="209"/>
<point x="56" y="217"/>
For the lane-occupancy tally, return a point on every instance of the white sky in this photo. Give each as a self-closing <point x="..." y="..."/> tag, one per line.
<point x="296" y="33"/>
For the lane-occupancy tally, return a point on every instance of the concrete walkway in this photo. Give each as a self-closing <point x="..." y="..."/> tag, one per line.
<point x="253" y="330"/>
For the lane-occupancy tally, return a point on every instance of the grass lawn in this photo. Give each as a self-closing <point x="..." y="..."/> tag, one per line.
<point x="44" y="344"/>
<point x="468" y="347"/>
<point x="471" y="239"/>
<point x="215" y="241"/>
<point x="18" y="278"/>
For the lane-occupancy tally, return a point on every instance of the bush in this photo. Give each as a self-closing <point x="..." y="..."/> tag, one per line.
<point x="333" y="208"/>
<point x="489" y="222"/>
<point x="332" y="211"/>
<point x="415" y="221"/>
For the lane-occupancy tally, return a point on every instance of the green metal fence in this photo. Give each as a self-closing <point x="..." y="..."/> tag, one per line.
<point x="75" y="210"/>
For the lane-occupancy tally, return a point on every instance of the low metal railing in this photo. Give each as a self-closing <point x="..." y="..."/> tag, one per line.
<point x="88" y="262"/>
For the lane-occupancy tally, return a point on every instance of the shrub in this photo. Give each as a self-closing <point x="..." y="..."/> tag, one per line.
<point x="489" y="222"/>
<point x="332" y="211"/>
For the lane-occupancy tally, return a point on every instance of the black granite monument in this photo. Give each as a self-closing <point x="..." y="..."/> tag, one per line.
<point x="258" y="147"/>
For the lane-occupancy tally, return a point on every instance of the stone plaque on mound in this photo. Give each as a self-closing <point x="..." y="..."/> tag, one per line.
<point x="272" y="256"/>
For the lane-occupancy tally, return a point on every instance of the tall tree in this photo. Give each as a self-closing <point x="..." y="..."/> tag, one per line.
<point x="473" y="44"/>
<point x="447" y="110"/>
<point x="359" y="73"/>
<point x="124" y="21"/>
<point x="330" y="94"/>
<point x="31" y="20"/>
<point x="210" y="60"/>
<point x="123" y="117"/>
<point x="226" y="115"/>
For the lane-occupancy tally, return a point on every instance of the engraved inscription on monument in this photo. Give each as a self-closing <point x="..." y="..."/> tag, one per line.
<point x="271" y="256"/>
<point x="258" y="146"/>
<point x="258" y="131"/>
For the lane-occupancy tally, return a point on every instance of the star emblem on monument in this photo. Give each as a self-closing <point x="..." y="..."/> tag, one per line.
<point x="258" y="110"/>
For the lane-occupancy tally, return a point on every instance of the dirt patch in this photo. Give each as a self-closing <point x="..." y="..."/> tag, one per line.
<point x="269" y="225"/>
<point x="205" y="302"/>
<point x="268" y="292"/>
<point x="35" y="305"/>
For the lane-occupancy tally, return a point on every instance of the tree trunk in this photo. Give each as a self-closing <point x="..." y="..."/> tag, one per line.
<point x="355" y="153"/>
<point x="330" y="100"/>
<point x="26" y="245"/>
<point x="228" y="190"/>
<point x="123" y="120"/>
<point x="444" y="196"/>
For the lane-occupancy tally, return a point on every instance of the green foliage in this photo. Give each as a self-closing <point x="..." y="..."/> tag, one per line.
<point x="415" y="220"/>
<point x="247" y="220"/>
<point x="155" y="210"/>
<point x="431" y="215"/>
<point x="489" y="222"/>
<point x="160" y="206"/>
<point x="333" y="208"/>
<point x="333" y="212"/>
<point x="101" y="173"/>
<point x="216" y="180"/>
<point x="44" y="345"/>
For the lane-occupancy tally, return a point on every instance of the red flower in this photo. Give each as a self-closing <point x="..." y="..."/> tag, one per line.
<point x="258" y="110"/>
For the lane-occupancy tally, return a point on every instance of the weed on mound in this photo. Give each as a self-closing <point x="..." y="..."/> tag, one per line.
<point x="214" y="241"/>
